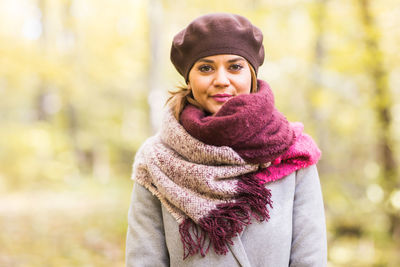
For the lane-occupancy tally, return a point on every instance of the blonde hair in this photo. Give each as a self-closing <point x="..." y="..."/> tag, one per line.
<point x="181" y="97"/>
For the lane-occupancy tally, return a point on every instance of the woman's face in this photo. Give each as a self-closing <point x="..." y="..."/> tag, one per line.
<point x="215" y="79"/>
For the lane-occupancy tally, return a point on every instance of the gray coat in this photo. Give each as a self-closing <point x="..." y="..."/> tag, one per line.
<point x="295" y="235"/>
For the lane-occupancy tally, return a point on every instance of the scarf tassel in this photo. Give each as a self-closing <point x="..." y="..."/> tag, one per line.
<point x="228" y="219"/>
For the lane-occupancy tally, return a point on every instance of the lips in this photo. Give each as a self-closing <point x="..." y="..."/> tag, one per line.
<point x="221" y="97"/>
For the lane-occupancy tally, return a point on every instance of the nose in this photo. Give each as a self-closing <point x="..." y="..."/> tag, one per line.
<point x="221" y="78"/>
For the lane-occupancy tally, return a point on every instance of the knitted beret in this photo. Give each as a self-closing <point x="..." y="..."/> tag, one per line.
<point x="213" y="34"/>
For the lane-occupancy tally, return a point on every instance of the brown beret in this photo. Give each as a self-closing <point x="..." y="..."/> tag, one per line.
<point x="213" y="34"/>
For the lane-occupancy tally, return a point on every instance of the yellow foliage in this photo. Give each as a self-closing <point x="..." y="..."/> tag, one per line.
<point x="74" y="80"/>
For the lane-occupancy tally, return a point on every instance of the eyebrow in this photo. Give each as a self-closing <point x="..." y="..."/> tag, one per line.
<point x="230" y="60"/>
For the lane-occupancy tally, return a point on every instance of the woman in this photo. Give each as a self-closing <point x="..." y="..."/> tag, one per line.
<point x="227" y="181"/>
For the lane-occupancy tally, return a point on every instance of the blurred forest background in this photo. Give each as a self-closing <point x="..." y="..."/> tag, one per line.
<point x="82" y="84"/>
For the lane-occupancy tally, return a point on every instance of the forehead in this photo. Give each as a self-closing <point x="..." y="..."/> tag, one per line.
<point x="221" y="58"/>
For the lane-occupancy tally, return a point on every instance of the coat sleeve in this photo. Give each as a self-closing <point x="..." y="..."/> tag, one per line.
<point x="145" y="242"/>
<point x="309" y="245"/>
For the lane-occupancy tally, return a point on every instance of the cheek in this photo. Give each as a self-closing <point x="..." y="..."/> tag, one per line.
<point x="199" y="87"/>
<point x="244" y="84"/>
<point x="196" y="95"/>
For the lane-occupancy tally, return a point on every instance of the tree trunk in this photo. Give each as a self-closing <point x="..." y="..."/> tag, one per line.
<point x="316" y="82"/>
<point x="381" y="102"/>
<point x="41" y="113"/>
<point x="156" y="90"/>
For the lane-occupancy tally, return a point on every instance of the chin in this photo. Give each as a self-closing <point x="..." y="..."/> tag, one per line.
<point x="214" y="110"/>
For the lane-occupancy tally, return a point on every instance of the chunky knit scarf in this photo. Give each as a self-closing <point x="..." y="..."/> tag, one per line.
<point x="210" y="172"/>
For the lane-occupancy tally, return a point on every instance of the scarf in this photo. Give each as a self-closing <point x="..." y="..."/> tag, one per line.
<point x="210" y="172"/>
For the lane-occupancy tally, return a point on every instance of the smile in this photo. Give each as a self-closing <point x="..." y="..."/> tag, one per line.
<point x="221" y="97"/>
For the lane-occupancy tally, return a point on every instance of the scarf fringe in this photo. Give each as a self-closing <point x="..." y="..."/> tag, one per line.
<point x="228" y="219"/>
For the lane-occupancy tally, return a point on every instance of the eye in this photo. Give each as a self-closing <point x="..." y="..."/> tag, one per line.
<point x="236" y="67"/>
<point x="205" y="68"/>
